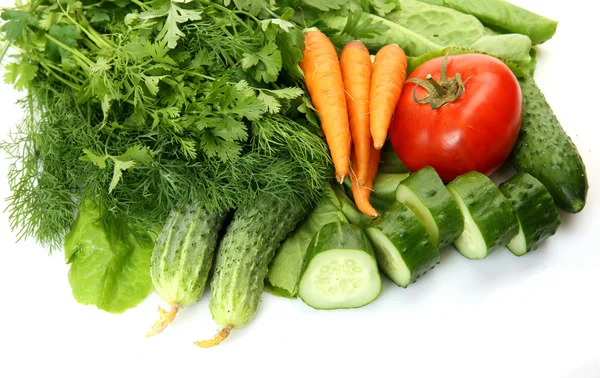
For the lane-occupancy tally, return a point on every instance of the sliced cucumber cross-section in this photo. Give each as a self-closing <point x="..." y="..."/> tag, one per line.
<point x="403" y="247"/>
<point x="340" y="270"/>
<point x="490" y="221"/>
<point x="426" y="195"/>
<point x="538" y="217"/>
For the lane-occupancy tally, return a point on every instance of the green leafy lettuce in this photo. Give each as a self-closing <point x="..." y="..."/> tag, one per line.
<point x="110" y="265"/>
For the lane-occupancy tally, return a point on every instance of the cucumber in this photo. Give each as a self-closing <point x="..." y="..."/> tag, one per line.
<point x="349" y="209"/>
<point x="383" y="194"/>
<point x="286" y="267"/>
<point x="257" y="229"/>
<point x="389" y="162"/>
<point x="385" y="185"/>
<point x="546" y="152"/>
<point x="340" y="270"/>
<point x="182" y="258"/>
<point x="490" y="221"/>
<point x="426" y="195"/>
<point x="404" y="248"/>
<point x="536" y="211"/>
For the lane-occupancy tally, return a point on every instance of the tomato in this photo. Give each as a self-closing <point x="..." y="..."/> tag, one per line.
<point x="473" y="129"/>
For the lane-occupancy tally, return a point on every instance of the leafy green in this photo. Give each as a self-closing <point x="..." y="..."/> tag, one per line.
<point x="508" y="17"/>
<point x="444" y="26"/>
<point x="20" y="74"/>
<point x="414" y="62"/>
<point x="285" y="268"/>
<point x="110" y="266"/>
<point x="512" y="47"/>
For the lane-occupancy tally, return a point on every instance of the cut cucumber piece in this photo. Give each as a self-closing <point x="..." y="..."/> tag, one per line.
<point x="538" y="217"/>
<point x="490" y="221"/>
<point x="386" y="184"/>
<point x="426" y="195"/>
<point x="340" y="269"/>
<point x="404" y="248"/>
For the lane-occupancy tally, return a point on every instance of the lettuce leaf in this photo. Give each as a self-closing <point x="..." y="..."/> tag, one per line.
<point x="285" y="268"/>
<point x="110" y="266"/>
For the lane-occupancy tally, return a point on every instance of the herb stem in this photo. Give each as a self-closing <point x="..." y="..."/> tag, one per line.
<point x="83" y="58"/>
<point x="66" y="82"/>
<point x="4" y="49"/>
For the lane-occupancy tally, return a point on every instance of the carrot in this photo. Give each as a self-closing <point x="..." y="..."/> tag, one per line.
<point x="389" y="75"/>
<point x="362" y="193"/>
<point x="323" y="78"/>
<point x="355" y="62"/>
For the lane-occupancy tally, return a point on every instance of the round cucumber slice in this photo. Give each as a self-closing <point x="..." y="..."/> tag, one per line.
<point x="518" y="245"/>
<point x="340" y="278"/>
<point x="340" y="270"/>
<point x="538" y="216"/>
<point x="426" y="195"/>
<point x="470" y="243"/>
<point x="490" y="221"/>
<point x="403" y="247"/>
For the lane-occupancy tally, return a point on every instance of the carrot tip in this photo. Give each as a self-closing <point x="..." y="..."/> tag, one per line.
<point x="378" y="146"/>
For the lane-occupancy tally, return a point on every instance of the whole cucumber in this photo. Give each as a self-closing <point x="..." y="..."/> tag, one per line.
<point x="546" y="152"/>
<point x="256" y="231"/>
<point x="182" y="258"/>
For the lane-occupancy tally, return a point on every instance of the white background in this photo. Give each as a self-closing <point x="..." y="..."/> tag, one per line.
<point x="534" y="316"/>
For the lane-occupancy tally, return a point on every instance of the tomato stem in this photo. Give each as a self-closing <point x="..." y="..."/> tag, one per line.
<point x="440" y="92"/>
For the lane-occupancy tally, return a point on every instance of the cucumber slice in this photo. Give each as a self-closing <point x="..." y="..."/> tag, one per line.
<point x="404" y="248"/>
<point x="340" y="270"/>
<point x="490" y="221"/>
<point x="386" y="184"/>
<point x="538" y="217"/>
<point x="426" y="195"/>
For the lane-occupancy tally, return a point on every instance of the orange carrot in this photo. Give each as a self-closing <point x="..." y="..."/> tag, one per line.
<point x="355" y="62"/>
<point x="389" y="75"/>
<point x="323" y="78"/>
<point x="362" y="193"/>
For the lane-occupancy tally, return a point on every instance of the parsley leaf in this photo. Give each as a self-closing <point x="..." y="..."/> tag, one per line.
<point x="326" y="5"/>
<point x="17" y="21"/>
<point x="67" y="34"/>
<point x="383" y="7"/>
<point x="20" y="74"/>
<point x="170" y="33"/>
<point x="264" y="64"/>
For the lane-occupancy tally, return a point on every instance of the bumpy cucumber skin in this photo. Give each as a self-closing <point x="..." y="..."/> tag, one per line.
<point x="534" y="206"/>
<point x="183" y="254"/>
<point x="491" y="211"/>
<point x="243" y="257"/>
<point x="427" y="185"/>
<point x="338" y="235"/>
<point x="404" y="229"/>
<point x="545" y="151"/>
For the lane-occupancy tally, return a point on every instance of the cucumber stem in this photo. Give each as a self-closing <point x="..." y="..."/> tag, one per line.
<point x="222" y="335"/>
<point x="165" y="319"/>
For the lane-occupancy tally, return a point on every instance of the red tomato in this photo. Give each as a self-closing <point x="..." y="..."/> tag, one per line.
<point x="474" y="132"/>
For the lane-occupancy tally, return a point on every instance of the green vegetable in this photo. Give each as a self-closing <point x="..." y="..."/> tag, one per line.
<point x="411" y="42"/>
<point x="537" y="214"/>
<point x="256" y="231"/>
<point x="385" y="185"/>
<point x="414" y="62"/>
<point x="351" y="212"/>
<point x="506" y="16"/>
<point x="512" y="47"/>
<point x="340" y="270"/>
<point x="109" y="264"/>
<point x="444" y="26"/>
<point x="490" y="221"/>
<point x="389" y="162"/>
<point x="425" y="194"/>
<point x="545" y="151"/>
<point x="404" y="249"/>
<point x="158" y="103"/>
<point x="286" y="267"/>
<point x="182" y="259"/>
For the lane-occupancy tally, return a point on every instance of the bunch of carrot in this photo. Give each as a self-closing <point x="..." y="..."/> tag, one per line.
<point x="356" y="99"/>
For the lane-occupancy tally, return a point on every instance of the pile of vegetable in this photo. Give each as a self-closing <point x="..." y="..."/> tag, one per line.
<point x="296" y="146"/>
